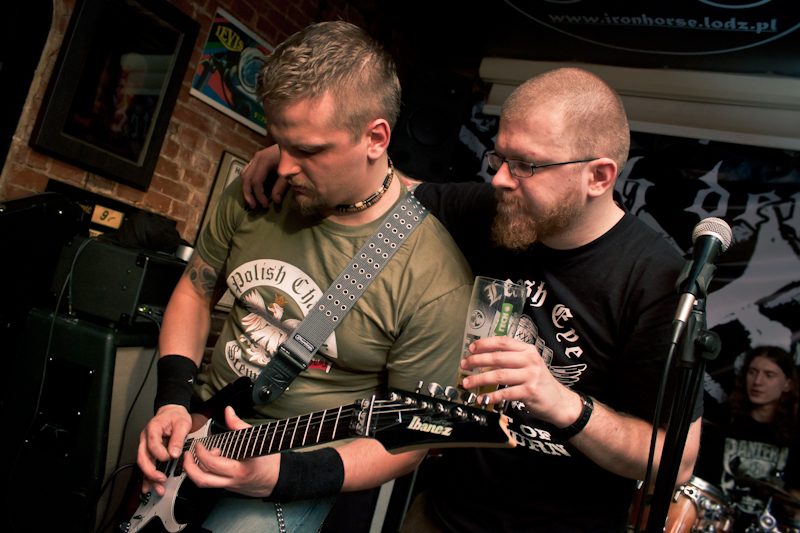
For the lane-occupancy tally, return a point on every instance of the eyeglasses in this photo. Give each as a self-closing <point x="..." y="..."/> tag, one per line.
<point x="523" y="169"/>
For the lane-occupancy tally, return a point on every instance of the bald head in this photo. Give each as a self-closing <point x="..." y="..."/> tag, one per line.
<point x="592" y="116"/>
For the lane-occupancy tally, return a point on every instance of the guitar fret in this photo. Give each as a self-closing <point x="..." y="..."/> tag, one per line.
<point x="321" y="424"/>
<point x="305" y="433"/>
<point x="237" y="448"/>
<point x="242" y="442"/>
<point x="256" y="437"/>
<point x="266" y="432"/>
<point x="251" y="443"/>
<point x="192" y="449"/>
<point x="237" y="443"/>
<point x="294" y="432"/>
<point x="240" y="439"/>
<point x="208" y="442"/>
<point x="283" y="433"/>
<point x="247" y="440"/>
<point x="278" y="423"/>
<point x="226" y="449"/>
<point x="336" y="425"/>
<point x="218" y="442"/>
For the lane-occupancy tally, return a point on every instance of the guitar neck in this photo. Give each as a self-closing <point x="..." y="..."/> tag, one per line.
<point x="274" y="437"/>
<point x="404" y="421"/>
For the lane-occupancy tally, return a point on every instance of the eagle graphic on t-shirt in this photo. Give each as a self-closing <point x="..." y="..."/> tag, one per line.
<point x="263" y="327"/>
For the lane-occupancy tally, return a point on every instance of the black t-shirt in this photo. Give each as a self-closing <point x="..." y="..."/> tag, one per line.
<point x="601" y="316"/>
<point x="733" y="451"/>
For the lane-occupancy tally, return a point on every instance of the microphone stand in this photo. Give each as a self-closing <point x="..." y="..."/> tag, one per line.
<point x="696" y="346"/>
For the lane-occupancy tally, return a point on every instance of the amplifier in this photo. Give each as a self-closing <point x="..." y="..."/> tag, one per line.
<point x="117" y="283"/>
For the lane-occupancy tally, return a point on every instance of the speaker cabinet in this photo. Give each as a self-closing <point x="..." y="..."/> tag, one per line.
<point x="427" y="131"/>
<point x="111" y="281"/>
<point x="57" y="412"/>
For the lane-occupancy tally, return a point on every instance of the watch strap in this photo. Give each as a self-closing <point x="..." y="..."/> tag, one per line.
<point x="575" y="428"/>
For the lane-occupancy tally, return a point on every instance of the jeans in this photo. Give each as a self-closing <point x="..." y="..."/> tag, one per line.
<point x="234" y="513"/>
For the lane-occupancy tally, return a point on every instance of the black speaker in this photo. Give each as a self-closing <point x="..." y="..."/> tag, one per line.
<point x="32" y="231"/>
<point x="112" y="282"/>
<point x="56" y="417"/>
<point x="436" y="105"/>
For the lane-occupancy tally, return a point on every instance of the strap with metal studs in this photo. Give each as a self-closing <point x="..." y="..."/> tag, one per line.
<point x="294" y="355"/>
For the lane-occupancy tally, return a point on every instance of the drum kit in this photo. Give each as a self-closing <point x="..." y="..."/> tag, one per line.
<point x="699" y="507"/>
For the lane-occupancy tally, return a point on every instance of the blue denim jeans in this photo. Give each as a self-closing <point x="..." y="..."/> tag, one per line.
<point x="234" y="513"/>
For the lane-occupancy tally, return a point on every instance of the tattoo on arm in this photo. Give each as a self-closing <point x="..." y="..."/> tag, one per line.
<point x="206" y="280"/>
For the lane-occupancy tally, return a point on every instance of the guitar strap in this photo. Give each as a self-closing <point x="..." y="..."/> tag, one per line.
<point x="295" y="353"/>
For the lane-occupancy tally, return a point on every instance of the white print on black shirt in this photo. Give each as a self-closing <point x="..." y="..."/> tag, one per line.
<point x="527" y="331"/>
<point x="757" y="460"/>
<point x="534" y="438"/>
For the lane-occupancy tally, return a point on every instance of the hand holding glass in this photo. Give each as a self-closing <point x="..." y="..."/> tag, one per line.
<point x="494" y="310"/>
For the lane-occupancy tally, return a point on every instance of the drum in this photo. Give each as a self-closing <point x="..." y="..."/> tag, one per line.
<point x="699" y="507"/>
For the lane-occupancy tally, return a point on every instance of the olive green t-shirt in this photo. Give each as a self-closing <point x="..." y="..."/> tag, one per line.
<point x="407" y="327"/>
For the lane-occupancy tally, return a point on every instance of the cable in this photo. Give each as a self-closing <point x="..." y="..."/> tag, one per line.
<point x="125" y="429"/>
<point x="653" y="439"/>
<point x="111" y="478"/>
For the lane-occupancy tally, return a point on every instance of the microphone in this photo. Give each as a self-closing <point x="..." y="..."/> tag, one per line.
<point x="711" y="237"/>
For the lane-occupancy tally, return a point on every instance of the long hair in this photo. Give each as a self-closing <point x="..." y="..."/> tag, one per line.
<point x="786" y="414"/>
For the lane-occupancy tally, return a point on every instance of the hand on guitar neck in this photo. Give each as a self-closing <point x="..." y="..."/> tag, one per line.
<point x="172" y="423"/>
<point x="252" y="477"/>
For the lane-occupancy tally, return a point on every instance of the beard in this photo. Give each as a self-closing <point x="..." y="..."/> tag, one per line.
<point x="310" y="203"/>
<point x="516" y="227"/>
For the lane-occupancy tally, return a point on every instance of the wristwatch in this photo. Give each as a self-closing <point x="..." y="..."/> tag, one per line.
<point x="572" y="430"/>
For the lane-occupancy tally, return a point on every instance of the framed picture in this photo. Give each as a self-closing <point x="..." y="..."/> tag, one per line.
<point x="114" y="86"/>
<point x="228" y="170"/>
<point x="226" y="75"/>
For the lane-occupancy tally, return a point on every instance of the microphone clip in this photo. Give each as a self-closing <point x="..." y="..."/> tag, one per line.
<point x="699" y="287"/>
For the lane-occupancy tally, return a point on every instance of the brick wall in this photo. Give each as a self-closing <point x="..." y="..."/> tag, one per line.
<point x="197" y="133"/>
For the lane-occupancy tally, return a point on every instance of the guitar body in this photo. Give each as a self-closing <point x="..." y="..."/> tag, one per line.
<point x="181" y="504"/>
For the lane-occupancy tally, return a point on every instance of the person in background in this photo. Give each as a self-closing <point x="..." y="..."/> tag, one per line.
<point x="331" y="97"/>
<point x="581" y="376"/>
<point x="753" y="453"/>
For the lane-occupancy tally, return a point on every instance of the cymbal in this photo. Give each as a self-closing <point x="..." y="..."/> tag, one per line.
<point x="770" y="489"/>
<point x="761" y="484"/>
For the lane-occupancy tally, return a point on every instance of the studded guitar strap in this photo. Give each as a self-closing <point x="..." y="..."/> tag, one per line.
<point x="294" y="354"/>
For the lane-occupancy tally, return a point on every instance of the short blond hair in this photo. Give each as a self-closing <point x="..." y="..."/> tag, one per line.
<point x="336" y="58"/>
<point x="594" y="120"/>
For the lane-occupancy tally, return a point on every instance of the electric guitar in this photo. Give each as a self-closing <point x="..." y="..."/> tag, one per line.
<point x="402" y="422"/>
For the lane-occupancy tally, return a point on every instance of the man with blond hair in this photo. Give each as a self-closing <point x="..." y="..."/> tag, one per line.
<point x="331" y="97"/>
<point x="581" y="375"/>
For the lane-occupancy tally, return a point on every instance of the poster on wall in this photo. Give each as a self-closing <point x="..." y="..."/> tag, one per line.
<point x="226" y="75"/>
<point x="673" y="183"/>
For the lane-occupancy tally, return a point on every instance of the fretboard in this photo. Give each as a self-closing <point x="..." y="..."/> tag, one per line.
<point x="273" y="437"/>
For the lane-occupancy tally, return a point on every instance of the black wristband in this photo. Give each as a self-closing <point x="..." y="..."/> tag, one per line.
<point x="308" y="475"/>
<point x="176" y="375"/>
<point x="572" y="430"/>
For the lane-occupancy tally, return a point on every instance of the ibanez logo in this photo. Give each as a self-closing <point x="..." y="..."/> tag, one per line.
<point x="417" y="425"/>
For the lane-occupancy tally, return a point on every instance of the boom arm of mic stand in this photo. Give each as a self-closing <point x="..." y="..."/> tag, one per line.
<point x="696" y="341"/>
